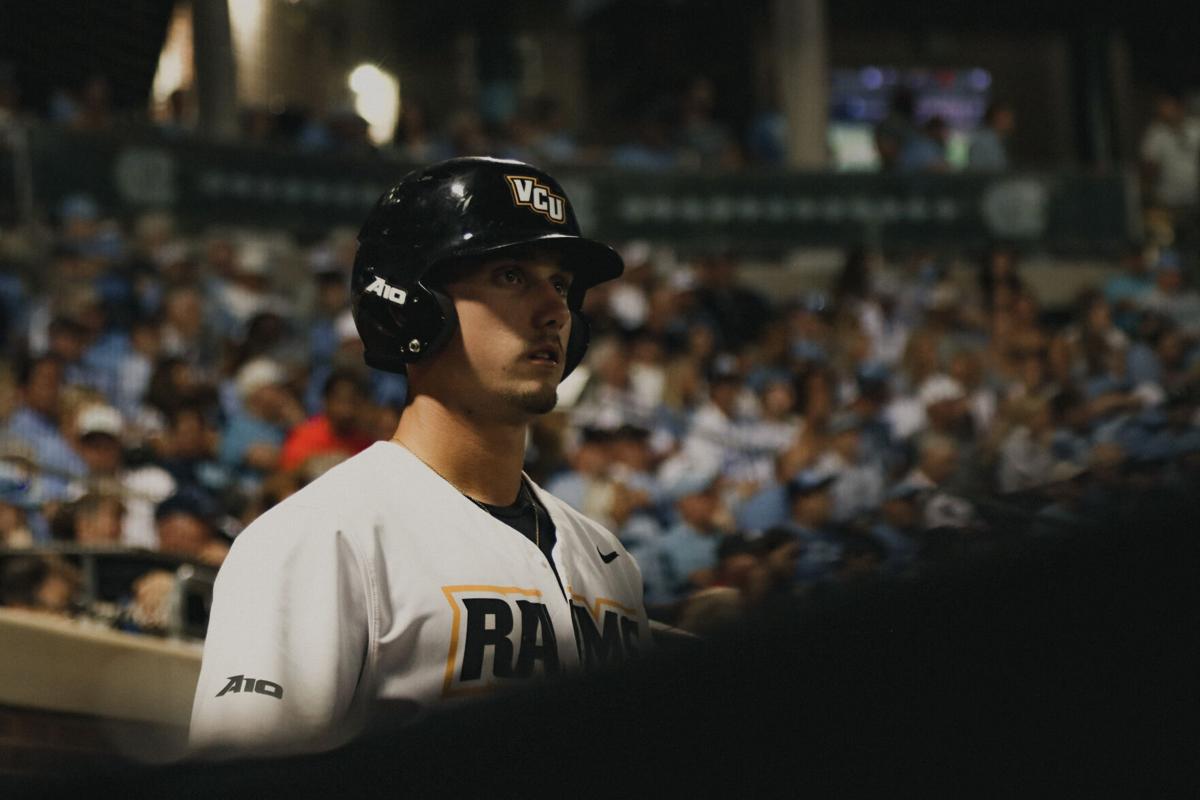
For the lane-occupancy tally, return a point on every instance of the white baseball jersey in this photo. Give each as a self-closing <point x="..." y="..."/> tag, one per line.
<point x="381" y="581"/>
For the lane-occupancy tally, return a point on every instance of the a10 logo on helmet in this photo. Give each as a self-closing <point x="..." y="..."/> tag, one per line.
<point x="528" y="192"/>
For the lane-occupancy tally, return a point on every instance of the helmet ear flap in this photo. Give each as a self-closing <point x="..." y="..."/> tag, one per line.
<point x="577" y="344"/>
<point x="449" y="321"/>
<point x="395" y="335"/>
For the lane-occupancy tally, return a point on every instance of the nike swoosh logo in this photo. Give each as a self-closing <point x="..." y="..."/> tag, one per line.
<point x="607" y="559"/>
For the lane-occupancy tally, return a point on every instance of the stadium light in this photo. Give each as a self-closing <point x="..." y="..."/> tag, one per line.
<point x="376" y="99"/>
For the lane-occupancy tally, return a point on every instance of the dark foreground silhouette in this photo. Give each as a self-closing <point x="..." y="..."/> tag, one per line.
<point x="1060" y="662"/>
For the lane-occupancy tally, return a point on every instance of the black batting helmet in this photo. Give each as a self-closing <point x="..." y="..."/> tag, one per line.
<point x="456" y="209"/>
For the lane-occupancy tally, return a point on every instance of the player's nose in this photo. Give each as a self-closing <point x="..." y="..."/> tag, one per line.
<point x="550" y="305"/>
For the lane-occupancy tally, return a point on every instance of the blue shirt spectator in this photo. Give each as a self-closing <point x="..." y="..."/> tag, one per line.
<point x="35" y="423"/>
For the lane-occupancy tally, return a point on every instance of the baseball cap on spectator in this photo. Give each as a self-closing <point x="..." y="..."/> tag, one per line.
<point x="258" y="373"/>
<point x="190" y="501"/>
<point x="593" y="434"/>
<point x="807" y="481"/>
<point x="872" y="372"/>
<point x="99" y="419"/>
<point x="940" y="389"/>
<point x="254" y="258"/>
<point x="630" y="431"/>
<point x="322" y="262"/>
<point x="681" y="476"/>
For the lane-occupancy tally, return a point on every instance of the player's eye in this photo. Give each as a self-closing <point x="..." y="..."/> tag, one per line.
<point x="561" y="285"/>
<point x="511" y="276"/>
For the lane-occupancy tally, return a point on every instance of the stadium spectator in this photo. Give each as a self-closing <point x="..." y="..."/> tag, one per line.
<point x="255" y="432"/>
<point x="999" y="280"/>
<point x="937" y="463"/>
<point x="36" y="423"/>
<point x="1170" y="155"/>
<point x="337" y="429"/>
<point x="810" y="510"/>
<point x="189" y="451"/>
<point x="706" y="143"/>
<point x="186" y="524"/>
<point x="857" y="487"/>
<point x="687" y="552"/>
<point x="925" y="150"/>
<point x="587" y="461"/>
<point x="46" y="584"/>
<point x="610" y="398"/>
<point x="780" y="550"/>
<point x="650" y="148"/>
<point x="99" y="429"/>
<point x="133" y="368"/>
<point x="1026" y="454"/>
<point x="15" y="497"/>
<point x="897" y="528"/>
<point x="988" y="151"/>
<point x="332" y="297"/>
<point x="738" y="312"/>
<point x="1124" y="291"/>
<point x="247" y="291"/>
<point x="97" y="519"/>
<point x="1171" y="296"/>
<point x="739" y="582"/>
<point x="186" y="334"/>
<point x="892" y="135"/>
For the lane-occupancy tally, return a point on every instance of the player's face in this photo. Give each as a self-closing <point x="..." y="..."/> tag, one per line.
<point x="512" y="335"/>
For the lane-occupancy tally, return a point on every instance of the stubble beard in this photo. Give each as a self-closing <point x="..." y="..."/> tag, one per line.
<point x="534" y="402"/>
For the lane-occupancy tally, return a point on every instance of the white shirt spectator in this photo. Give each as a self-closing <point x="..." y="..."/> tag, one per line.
<point x="1024" y="462"/>
<point x="744" y="447"/>
<point x="857" y="488"/>
<point x="1176" y="152"/>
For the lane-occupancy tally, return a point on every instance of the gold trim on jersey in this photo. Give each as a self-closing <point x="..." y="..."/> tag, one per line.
<point x="448" y="688"/>
<point x="594" y="609"/>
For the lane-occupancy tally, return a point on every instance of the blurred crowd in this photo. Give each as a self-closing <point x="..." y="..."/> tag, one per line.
<point x="678" y="131"/>
<point x="160" y="390"/>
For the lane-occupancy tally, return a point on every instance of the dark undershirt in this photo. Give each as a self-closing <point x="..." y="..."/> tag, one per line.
<point x="520" y="517"/>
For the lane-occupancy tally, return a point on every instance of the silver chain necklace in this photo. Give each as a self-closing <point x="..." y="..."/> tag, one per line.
<point x="537" y="523"/>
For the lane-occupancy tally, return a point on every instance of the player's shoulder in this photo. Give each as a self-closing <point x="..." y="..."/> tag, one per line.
<point x="335" y="503"/>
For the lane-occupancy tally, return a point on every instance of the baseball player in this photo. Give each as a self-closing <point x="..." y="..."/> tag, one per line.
<point x="430" y="566"/>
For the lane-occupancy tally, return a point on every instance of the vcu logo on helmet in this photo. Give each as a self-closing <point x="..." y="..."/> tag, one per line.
<point x="529" y="193"/>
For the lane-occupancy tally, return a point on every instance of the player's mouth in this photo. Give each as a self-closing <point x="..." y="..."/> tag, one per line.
<point x="546" y="355"/>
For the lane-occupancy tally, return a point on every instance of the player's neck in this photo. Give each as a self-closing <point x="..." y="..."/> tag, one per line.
<point x="481" y="459"/>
